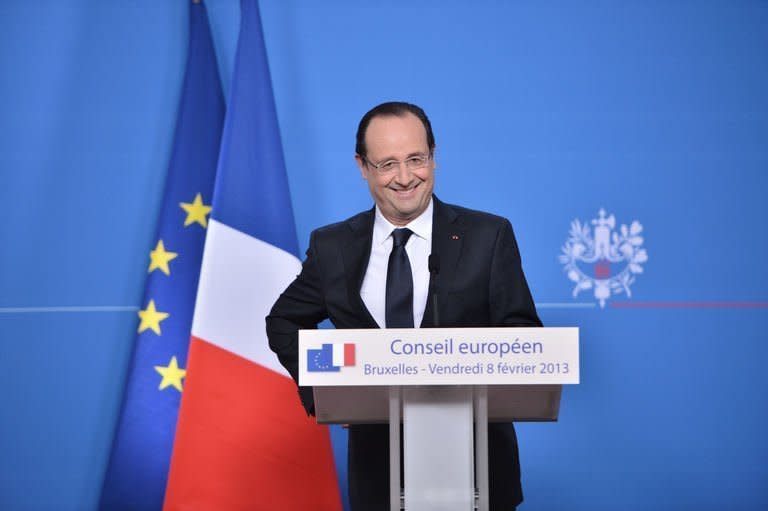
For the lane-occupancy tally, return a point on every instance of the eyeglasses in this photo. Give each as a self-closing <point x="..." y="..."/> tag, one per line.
<point x="413" y="163"/>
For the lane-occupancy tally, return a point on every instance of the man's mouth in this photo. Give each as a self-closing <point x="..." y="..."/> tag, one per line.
<point x="406" y="192"/>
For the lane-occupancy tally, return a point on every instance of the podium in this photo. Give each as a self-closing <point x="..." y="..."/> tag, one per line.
<point x="443" y="385"/>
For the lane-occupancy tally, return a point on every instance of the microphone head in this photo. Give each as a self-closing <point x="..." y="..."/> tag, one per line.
<point x="433" y="263"/>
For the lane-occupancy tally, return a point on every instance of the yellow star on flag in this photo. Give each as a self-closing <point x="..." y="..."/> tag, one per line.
<point x="196" y="211"/>
<point x="151" y="318"/>
<point x="159" y="258"/>
<point x="172" y="375"/>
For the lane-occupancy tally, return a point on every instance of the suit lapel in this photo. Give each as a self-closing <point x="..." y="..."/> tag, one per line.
<point x="447" y="241"/>
<point x="356" y="254"/>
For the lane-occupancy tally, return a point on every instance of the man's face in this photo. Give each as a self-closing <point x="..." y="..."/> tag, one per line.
<point x="401" y="194"/>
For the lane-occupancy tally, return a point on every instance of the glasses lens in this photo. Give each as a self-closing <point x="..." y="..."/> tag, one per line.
<point x="412" y="163"/>
<point x="389" y="166"/>
<point x="416" y="162"/>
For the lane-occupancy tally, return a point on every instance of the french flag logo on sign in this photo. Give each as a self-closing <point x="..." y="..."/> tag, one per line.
<point x="331" y="357"/>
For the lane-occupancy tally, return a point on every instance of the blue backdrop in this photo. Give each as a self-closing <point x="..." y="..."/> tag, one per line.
<point x="543" y="112"/>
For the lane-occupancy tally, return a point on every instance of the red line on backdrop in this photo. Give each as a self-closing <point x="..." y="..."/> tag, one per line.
<point x="689" y="305"/>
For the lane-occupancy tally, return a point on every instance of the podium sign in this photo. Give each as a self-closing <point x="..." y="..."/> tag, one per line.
<point x="439" y="356"/>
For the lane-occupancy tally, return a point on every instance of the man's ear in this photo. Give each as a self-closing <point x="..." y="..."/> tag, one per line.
<point x="361" y="165"/>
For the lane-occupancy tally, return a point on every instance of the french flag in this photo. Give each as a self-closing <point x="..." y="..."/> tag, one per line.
<point x="243" y="440"/>
<point x="344" y="354"/>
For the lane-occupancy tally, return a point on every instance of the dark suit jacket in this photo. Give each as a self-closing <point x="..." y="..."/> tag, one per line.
<point x="480" y="283"/>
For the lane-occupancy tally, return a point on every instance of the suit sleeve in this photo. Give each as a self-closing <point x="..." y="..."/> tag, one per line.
<point x="510" y="299"/>
<point x="300" y="306"/>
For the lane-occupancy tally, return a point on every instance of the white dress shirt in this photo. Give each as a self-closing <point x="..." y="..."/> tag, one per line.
<point x="418" y="248"/>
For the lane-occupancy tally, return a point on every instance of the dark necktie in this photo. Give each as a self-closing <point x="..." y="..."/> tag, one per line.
<point x="399" y="299"/>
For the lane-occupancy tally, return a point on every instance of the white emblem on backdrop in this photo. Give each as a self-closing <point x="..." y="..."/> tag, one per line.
<point x="604" y="260"/>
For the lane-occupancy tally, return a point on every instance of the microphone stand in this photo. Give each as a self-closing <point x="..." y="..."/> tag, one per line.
<point x="433" y="264"/>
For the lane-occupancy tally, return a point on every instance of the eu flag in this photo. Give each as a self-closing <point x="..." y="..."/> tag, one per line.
<point x="141" y="451"/>
<point x="321" y="360"/>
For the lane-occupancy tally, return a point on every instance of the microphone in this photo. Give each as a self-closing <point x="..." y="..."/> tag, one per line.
<point x="433" y="263"/>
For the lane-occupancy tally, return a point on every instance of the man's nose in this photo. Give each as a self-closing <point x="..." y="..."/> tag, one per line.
<point x="404" y="175"/>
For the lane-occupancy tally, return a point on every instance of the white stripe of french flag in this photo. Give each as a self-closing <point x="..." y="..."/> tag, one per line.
<point x="343" y="355"/>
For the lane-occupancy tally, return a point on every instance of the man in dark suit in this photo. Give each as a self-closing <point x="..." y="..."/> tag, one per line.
<point x="371" y="271"/>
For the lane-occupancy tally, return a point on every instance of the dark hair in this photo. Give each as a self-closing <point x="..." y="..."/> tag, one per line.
<point x="398" y="109"/>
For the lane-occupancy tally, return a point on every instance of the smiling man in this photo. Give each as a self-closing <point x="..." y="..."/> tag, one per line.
<point x="372" y="271"/>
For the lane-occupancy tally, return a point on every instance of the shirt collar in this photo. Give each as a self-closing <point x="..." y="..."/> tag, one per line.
<point x="421" y="225"/>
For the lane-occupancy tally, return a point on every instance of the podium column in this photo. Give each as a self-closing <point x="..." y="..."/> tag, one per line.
<point x="438" y="448"/>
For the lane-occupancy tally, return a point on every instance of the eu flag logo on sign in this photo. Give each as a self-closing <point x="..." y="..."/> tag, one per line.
<point x="321" y="360"/>
<point x="331" y="357"/>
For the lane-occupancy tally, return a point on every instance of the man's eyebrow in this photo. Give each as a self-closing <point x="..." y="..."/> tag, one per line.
<point x="409" y="155"/>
